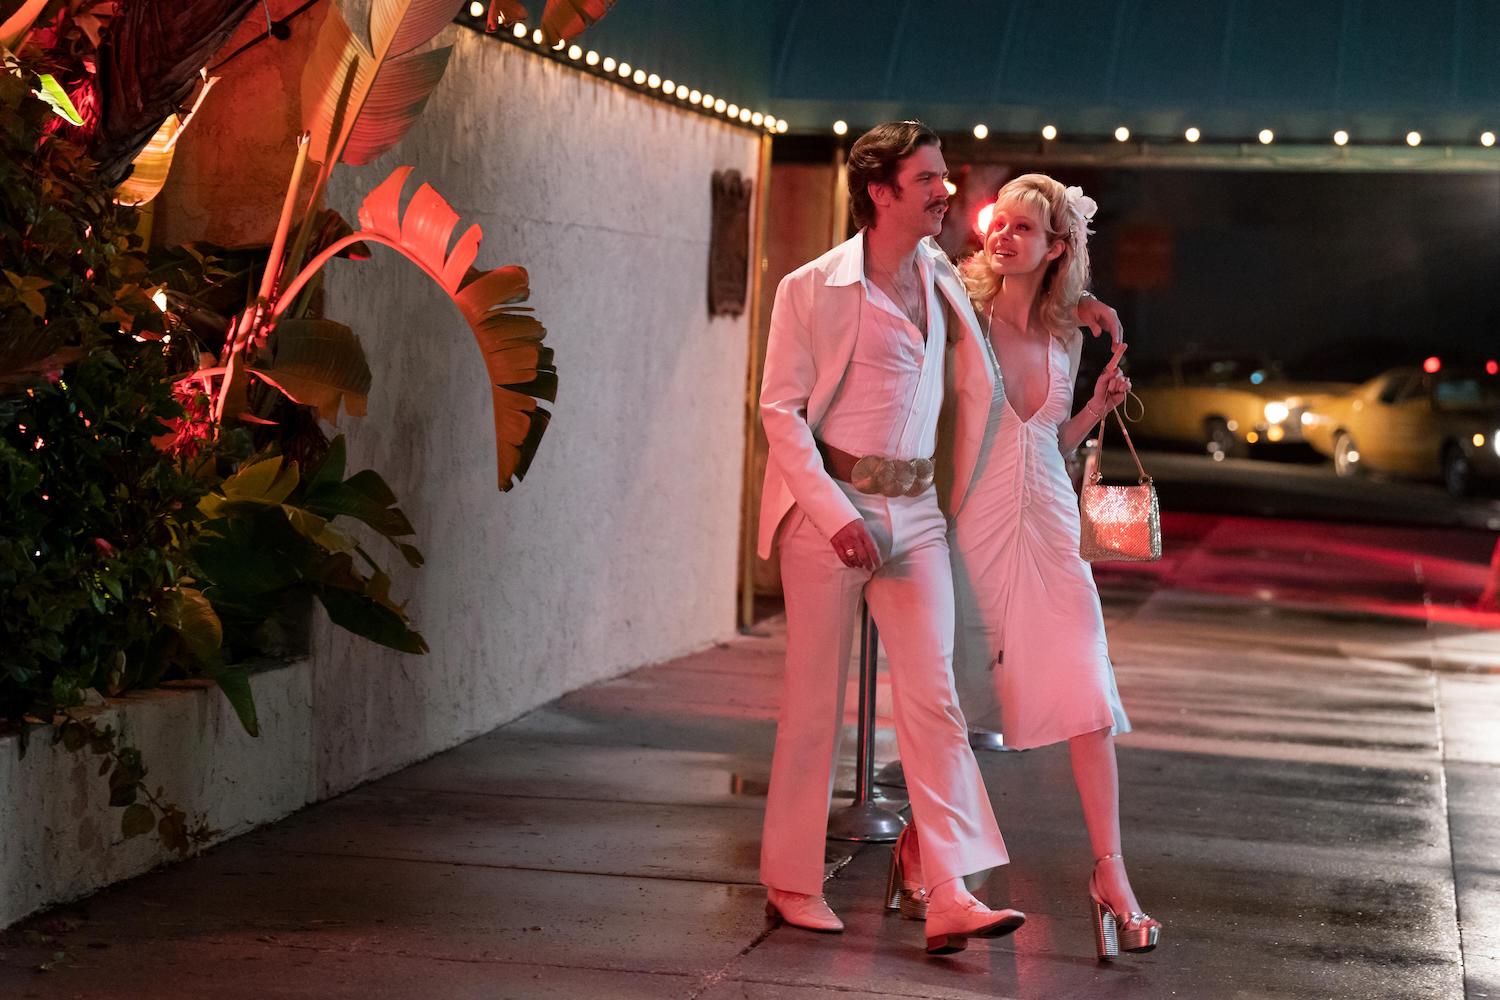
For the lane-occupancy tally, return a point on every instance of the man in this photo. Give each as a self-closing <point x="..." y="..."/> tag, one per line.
<point x="855" y="368"/>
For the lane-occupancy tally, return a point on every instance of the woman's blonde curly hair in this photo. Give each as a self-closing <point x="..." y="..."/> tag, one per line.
<point x="1065" y="278"/>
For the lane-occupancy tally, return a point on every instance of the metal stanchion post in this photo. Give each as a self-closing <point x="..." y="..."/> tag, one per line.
<point x="864" y="821"/>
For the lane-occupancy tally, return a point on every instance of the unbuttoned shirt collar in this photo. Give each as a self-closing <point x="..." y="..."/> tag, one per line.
<point x="851" y="266"/>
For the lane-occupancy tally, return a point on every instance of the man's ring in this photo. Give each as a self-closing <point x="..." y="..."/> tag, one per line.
<point x="848" y="552"/>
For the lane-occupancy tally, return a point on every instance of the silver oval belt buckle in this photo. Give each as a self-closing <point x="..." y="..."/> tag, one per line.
<point x="892" y="477"/>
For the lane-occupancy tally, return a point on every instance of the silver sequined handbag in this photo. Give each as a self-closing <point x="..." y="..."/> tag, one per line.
<point x="1119" y="523"/>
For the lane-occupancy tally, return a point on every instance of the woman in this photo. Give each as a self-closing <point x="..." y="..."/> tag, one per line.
<point x="1028" y="609"/>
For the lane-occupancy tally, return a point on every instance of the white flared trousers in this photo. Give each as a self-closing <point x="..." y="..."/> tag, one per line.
<point x="911" y="599"/>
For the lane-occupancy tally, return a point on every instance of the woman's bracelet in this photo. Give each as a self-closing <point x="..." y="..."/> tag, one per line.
<point x="1097" y="414"/>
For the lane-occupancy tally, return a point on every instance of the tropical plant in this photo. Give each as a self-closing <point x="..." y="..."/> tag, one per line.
<point x="92" y="568"/>
<point x="267" y="538"/>
<point x="69" y="267"/>
<point x="361" y="93"/>
<point x="96" y="586"/>
<point x="125" y="67"/>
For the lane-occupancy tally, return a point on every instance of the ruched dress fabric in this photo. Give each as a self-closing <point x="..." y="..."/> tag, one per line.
<point x="1030" y="631"/>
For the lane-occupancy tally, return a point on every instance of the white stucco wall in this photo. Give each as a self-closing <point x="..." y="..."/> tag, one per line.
<point x="620" y="546"/>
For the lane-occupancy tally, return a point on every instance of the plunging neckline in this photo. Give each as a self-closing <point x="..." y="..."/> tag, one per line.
<point x="1046" y="392"/>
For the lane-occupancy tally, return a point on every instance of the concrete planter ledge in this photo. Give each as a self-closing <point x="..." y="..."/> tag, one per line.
<point x="59" y="837"/>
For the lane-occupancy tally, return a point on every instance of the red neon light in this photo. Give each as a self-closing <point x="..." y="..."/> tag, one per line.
<point x="1432" y="365"/>
<point x="982" y="220"/>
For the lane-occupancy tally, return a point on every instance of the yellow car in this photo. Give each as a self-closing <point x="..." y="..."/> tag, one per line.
<point x="1224" y="403"/>
<point x="1410" y="422"/>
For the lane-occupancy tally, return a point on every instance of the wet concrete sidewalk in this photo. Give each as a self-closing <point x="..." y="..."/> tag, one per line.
<point x="1310" y="804"/>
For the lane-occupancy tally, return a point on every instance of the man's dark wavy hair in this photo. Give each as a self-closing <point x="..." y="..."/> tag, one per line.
<point x="876" y="157"/>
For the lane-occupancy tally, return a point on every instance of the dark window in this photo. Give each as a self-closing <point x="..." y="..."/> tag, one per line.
<point x="1467" y="392"/>
<point x="1394" y="387"/>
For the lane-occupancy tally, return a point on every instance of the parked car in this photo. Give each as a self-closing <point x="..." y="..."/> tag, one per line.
<point x="1225" y="403"/>
<point x="1424" y="424"/>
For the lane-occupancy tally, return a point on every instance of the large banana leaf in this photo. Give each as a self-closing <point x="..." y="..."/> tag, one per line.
<point x="521" y="370"/>
<point x="148" y="65"/>
<point x="319" y="363"/>
<point x="149" y="174"/>
<point x="362" y="92"/>
<point x="560" y="19"/>
<point x="363" y="496"/>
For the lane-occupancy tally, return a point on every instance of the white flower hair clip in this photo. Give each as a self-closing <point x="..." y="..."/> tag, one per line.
<point x="1082" y="208"/>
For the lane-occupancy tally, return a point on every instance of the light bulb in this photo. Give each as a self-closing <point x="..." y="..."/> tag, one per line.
<point x="981" y="131"/>
<point x="745" y="115"/>
<point x="1122" y="134"/>
<point x="1487" y="139"/>
<point x="667" y="86"/>
<point x="476" y="9"/>
<point x="537" y="36"/>
<point x="625" y="69"/>
<point x="1341" y="138"/>
<point x="781" y="125"/>
<point x="609" y="64"/>
<point x="639" y="77"/>
<point x="1049" y="132"/>
<point x="653" y="81"/>
<point x="1266" y="137"/>
<point x="840" y="127"/>
<point x="592" y="58"/>
<point x="708" y="100"/>
<point x="719" y="105"/>
<point x="1414" y="138"/>
<point x="757" y="118"/>
<point x="733" y="111"/>
<point x="574" y="52"/>
<point x="682" y="91"/>
<point x="1192" y="134"/>
<point x="519" y="30"/>
<point x="695" y="97"/>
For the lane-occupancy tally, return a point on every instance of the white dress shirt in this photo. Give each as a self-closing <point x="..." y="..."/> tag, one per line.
<point x="893" y="388"/>
<point x="814" y="326"/>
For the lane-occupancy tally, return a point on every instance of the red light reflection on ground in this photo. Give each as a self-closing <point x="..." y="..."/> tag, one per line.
<point x="1422" y="574"/>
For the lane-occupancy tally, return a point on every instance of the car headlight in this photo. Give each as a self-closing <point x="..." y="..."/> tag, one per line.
<point x="1276" y="412"/>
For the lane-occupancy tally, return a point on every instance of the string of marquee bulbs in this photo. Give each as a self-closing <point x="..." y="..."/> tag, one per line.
<point x="621" y="72"/>
<point x="1193" y="134"/>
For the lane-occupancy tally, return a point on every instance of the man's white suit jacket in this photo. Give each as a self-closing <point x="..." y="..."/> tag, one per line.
<point x="814" y="324"/>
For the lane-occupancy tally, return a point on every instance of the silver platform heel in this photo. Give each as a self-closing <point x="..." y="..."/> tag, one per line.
<point x="901" y="893"/>
<point x="1137" y="933"/>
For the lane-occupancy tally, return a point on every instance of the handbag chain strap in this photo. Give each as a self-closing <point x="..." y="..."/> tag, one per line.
<point x="1098" y="474"/>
